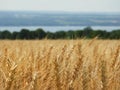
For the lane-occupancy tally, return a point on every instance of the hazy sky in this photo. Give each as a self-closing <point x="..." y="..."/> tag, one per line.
<point x="62" y="5"/>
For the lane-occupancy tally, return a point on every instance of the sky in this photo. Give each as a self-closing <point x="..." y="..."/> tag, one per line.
<point x="61" y="5"/>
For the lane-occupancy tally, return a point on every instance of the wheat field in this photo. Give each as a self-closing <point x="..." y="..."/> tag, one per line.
<point x="60" y="65"/>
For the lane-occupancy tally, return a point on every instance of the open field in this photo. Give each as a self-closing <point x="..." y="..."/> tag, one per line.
<point x="60" y="65"/>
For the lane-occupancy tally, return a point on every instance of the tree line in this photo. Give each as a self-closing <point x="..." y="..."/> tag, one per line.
<point x="87" y="32"/>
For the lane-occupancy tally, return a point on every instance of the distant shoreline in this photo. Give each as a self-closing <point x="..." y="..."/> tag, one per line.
<point x="57" y="28"/>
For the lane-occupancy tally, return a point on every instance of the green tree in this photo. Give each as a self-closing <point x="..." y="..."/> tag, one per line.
<point x="50" y="35"/>
<point x="32" y="35"/>
<point x="70" y="34"/>
<point x="24" y="34"/>
<point x="60" y="35"/>
<point x="78" y="34"/>
<point x="40" y="33"/>
<point x="115" y="34"/>
<point x="5" y="34"/>
<point x="87" y="32"/>
<point x="15" y="35"/>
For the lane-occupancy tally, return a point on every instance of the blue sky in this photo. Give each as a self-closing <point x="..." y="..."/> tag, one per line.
<point x="62" y="5"/>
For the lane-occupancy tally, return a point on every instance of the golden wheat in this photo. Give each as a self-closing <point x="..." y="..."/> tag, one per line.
<point x="60" y="65"/>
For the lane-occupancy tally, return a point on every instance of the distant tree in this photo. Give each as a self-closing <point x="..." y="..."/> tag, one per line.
<point x="101" y="34"/>
<point x="78" y="34"/>
<point x="88" y="28"/>
<point x="60" y="35"/>
<point x="5" y="34"/>
<point x="50" y="35"/>
<point x="32" y="35"/>
<point x="70" y="34"/>
<point x="115" y="34"/>
<point x="24" y="34"/>
<point x="15" y="35"/>
<point x="87" y="32"/>
<point x="0" y="35"/>
<point x="40" y="33"/>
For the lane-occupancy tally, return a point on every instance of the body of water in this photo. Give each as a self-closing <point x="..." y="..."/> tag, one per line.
<point x="57" y="28"/>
